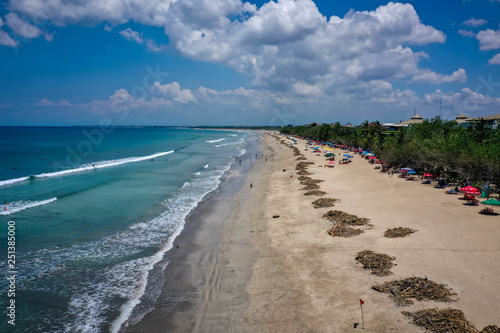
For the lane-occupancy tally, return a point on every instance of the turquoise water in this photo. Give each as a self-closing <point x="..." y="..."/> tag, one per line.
<point x="94" y="210"/>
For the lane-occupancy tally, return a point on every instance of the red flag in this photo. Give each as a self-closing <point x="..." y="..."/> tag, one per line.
<point x="361" y="302"/>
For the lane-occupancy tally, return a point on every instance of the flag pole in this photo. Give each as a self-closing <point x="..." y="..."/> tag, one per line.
<point x="362" y="317"/>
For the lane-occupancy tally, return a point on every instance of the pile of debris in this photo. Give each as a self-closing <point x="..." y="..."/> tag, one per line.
<point x="340" y="230"/>
<point x="303" y="165"/>
<point x="398" y="232"/>
<point x="296" y="151"/>
<point x="315" y="192"/>
<point x="304" y="172"/>
<point x="323" y="202"/>
<point x="302" y="178"/>
<point x="341" y="217"/>
<point x="301" y="158"/>
<point x="443" y="320"/>
<point x="310" y="187"/>
<point x="344" y="223"/>
<point x="379" y="263"/>
<point x="311" y="181"/>
<point x="415" y="287"/>
<point x="490" y="329"/>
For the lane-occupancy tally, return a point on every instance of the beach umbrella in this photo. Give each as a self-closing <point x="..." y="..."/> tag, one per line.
<point x="405" y="169"/>
<point x="427" y="175"/>
<point x="331" y="162"/>
<point x="378" y="162"/>
<point x="470" y="189"/>
<point x="371" y="157"/>
<point x="346" y="155"/>
<point x="492" y="202"/>
<point x="411" y="172"/>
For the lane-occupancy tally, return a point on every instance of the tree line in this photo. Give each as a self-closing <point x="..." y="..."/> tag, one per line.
<point x="436" y="146"/>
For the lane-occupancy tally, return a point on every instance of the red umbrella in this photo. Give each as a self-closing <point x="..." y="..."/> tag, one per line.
<point x="427" y="175"/>
<point x="371" y="157"/>
<point x="470" y="189"/>
<point x="378" y="162"/>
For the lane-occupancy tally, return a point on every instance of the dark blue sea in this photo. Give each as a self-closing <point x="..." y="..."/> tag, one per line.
<point x="94" y="209"/>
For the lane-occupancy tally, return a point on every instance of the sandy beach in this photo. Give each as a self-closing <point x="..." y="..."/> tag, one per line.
<point x="256" y="273"/>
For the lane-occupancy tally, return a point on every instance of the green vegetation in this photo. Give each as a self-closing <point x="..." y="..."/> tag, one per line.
<point x="435" y="145"/>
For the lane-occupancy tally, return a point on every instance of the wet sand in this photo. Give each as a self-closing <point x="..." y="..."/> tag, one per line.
<point x="286" y="274"/>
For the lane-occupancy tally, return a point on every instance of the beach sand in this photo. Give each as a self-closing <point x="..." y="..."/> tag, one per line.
<point x="286" y="274"/>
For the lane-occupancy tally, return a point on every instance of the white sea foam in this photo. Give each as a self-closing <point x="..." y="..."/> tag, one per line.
<point x="12" y="181"/>
<point x="91" y="300"/>
<point x="18" y="206"/>
<point x="87" y="167"/>
<point x="197" y="173"/>
<point x="206" y="165"/>
<point x="213" y="141"/>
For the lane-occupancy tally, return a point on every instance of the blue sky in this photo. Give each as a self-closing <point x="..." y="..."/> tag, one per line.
<point x="205" y="62"/>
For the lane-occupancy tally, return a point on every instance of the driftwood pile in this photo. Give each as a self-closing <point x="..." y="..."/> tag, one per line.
<point x="303" y="165"/>
<point x="415" y="287"/>
<point x="398" y="232"/>
<point x="323" y="202"/>
<point x="315" y="192"/>
<point x="301" y="158"/>
<point x="491" y="329"/>
<point x="344" y="223"/>
<point x="345" y="218"/>
<point x="310" y="187"/>
<point x="442" y="320"/>
<point x="340" y="230"/>
<point x="301" y="178"/>
<point x="296" y="151"/>
<point x="311" y="181"/>
<point x="303" y="172"/>
<point x="379" y="263"/>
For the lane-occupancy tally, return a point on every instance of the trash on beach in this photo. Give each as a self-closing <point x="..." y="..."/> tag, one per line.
<point x="312" y="181"/>
<point x="345" y="218"/>
<point x="415" y="287"/>
<point x="398" y="232"/>
<point x="340" y="230"/>
<point x="303" y="165"/>
<point x="490" y="329"/>
<point x="310" y="187"/>
<point x="315" y="192"/>
<point x="443" y="320"/>
<point x="275" y="216"/>
<point x="323" y="202"/>
<point x="304" y="172"/>
<point x="379" y="263"/>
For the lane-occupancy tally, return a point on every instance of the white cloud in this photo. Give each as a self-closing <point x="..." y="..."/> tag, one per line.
<point x="132" y="35"/>
<point x="173" y="91"/>
<point x="21" y="27"/>
<point x="473" y="22"/>
<point x="488" y="39"/>
<point x="466" y="100"/>
<point x="495" y="60"/>
<point x="434" y="78"/>
<point x="5" y="38"/>
<point x="467" y="33"/>
<point x="282" y="45"/>
<point x="44" y="102"/>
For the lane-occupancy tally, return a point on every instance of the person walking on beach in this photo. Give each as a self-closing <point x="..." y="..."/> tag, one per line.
<point x="251" y="185"/>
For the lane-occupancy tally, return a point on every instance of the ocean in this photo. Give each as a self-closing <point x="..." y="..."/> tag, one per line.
<point x="93" y="210"/>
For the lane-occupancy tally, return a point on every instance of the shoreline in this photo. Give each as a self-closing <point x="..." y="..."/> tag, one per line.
<point x="176" y="281"/>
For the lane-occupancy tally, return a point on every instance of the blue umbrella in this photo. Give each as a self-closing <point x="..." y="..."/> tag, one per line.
<point x="411" y="172"/>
